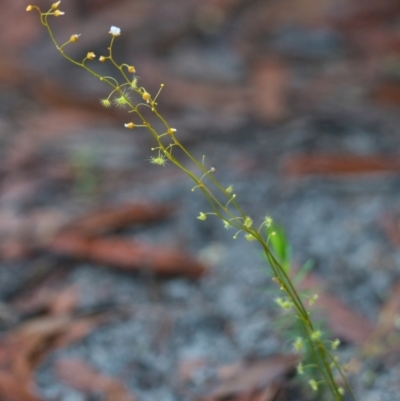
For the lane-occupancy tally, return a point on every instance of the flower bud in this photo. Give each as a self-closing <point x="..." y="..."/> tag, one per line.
<point x="115" y="31"/>
<point x="131" y="69"/>
<point x="58" y="13"/>
<point x="90" y="56"/>
<point x="74" y="38"/>
<point x="29" y="8"/>
<point x="202" y="216"/>
<point x="129" y="125"/>
<point x="54" y="6"/>
<point x="146" y="96"/>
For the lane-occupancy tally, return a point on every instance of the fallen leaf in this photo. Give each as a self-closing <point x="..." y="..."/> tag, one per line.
<point x="391" y="227"/>
<point x="252" y="378"/>
<point x="13" y="249"/>
<point x="269" y="83"/>
<point x="79" y="375"/>
<point x="65" y="301"/>
<point x="127" y="254"/>
<point x="341" y="319"/>
<point x="339" y="164"/>
<point x="23" y="348"/>
<point x="387" y="93"/>
<point x="385" y="338"/>
<point x="119" y="216"/>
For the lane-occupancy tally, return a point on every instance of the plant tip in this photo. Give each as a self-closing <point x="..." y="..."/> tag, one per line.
<point x="313" y="384"/>
<point x="90" y="56"/>
<point x="316" y="335"/>
<point x="146" y="96"/>
<point x="298" y="345"/>
<point x="300" y="369"/>
<point x="74" y="38"/>
<point x="105" y="103"/>
<point x="159" y="160"/>
<point x="55" y="5"/>
<point x="250" y="237"/>
<point x="202" y="216"/>
<point x="115" y="31"/>
<point x="248" y="222"/>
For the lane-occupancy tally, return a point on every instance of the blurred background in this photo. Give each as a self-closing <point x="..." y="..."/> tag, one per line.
<point x="110" y="288"/>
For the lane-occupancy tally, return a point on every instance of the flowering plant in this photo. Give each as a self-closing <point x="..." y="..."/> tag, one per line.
<point x="223" y="203"/>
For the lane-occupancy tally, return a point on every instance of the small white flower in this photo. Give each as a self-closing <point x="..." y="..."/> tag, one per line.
<point x="115" y="31"/>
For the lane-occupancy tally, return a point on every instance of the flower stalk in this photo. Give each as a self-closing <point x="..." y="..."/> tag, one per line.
<point x="222" y="200"/>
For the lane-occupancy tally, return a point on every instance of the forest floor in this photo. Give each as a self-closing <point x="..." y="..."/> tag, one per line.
<point x="110" y="287"/>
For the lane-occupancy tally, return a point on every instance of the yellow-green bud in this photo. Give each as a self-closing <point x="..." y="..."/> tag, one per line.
<point x="146" y="96"/>
<point x="74" y="38"/>
<point x="298" y="345"/>
<point x="312" y="300"/>
<point x="283" y="303"/>
<point x="316" y="335"/>
<point x="202" y="216"/>
<point x="300" y="369"/>
<point x="248" y="222"/>
<point x="313" y="384"/>
<point x="250" y="237"/>
<point x="54" y="6"/>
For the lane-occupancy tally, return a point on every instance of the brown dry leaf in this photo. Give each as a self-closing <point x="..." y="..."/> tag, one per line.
<point x="65" y="301"/>
<point x="79" y="375"/>
<point x="388" y="93"/>
<point x="366" y="14"/>
<point x="339" y="164"/>
<point x="385" y="338"/>
<point x="391" y="227"/>
<point x="14" y="249"/>
<point x="79" y="329"/>
<point x="13" y="389"/>
<point x="256" y="379"/>
<point x="263" y="17"/>
<point x="44" y="298"/>
<point x="127" y="254"/>
<point x="269" y="83"/>
<point x="22" y="349"/>
<point x="368" y="26"/>
<point x="119" y="216"/>
<point x="51" y="125"/>
<point x="341" y="320"/>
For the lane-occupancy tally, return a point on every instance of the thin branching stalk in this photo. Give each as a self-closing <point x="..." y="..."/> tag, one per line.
<point x="221" y="199"/>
